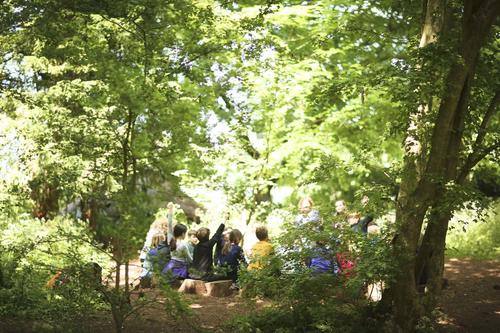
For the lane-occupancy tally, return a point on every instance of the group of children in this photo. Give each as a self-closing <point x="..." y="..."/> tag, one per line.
<point x="220" y="257"/>
<point x="195" y="258"/>
<point x="325" y="260"/>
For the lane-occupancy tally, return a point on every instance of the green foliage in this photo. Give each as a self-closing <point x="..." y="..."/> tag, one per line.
<point x="114" y="107"/>
<point x="31" y="252"/>
<point x="306" y="302"/>
<point x="475" y="239"/>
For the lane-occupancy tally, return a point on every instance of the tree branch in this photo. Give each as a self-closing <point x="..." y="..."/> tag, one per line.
<point x="121" y="26"/>
<point x="477" y="153"/>
<point x="485" y="152"/>
<point x="490" y="112"/>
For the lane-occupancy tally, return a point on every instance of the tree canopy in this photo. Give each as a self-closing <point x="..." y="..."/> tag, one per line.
<point x="111" y="109"/>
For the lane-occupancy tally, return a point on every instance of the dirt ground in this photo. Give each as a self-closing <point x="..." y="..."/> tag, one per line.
<point x="470" y="303"/>
<point x="208" y="314"/>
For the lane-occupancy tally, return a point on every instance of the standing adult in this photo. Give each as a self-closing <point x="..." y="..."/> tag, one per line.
<point x="307" y="213"/>
<point x="308" y="216"/>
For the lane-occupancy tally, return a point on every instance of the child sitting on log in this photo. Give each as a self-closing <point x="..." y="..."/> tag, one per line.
<point x="232" y="256"/>
<point x="262" y="249"/>
<point x="181" y="257"/>
<point x="158" y="257"/>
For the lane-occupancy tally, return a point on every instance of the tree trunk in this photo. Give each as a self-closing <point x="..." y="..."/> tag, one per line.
<point x="431" y="256"/>
<point x="126" y="277"/>
<point x="412" y="204"/>
<point x="445" y="146"/>
<point x="117" y="319"/>
<point x="431" y="259"/>
<point x="405" y="303"/>
<point x="117" y="276"/>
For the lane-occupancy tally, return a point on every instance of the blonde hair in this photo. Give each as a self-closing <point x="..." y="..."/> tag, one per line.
<point x="304" y="199"/>
<point x="157" y="239"/>
<point x="159" y="225"/>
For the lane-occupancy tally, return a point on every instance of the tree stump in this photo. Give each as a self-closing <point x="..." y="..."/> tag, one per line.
<point x="218" y="288"/>
<point x="193" y="287"/>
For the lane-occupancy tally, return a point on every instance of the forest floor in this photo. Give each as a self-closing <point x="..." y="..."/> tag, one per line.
<point x="470" y="303"/>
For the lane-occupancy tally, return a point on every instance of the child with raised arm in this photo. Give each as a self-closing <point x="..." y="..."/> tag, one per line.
<point x="262" y="249"/>
<point x="220" y="245"/>
<point x="181" y="257"/>
<point x="203" y="252"/>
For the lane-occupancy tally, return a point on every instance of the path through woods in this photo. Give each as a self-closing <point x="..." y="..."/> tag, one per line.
<point x="472" y="299"/>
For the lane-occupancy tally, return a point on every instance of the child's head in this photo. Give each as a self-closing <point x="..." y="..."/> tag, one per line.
<point x="180" y="231"/>
<point x="340" y="206"/>
<point x="203" y="234"/>
<point x="353" y="218"/>
<point x="261" y="233"/>
<point x="235" y="236"/>
<point x="305" y="205"/>
<point x="192" y="237"/>
<point x="179" y="234"/>
<point x="157" y="239"/>
<point x="225" y="234"/>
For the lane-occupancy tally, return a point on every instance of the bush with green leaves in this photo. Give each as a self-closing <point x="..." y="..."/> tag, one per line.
<point x="303" y="301"/>
<point x="32" y="251"/>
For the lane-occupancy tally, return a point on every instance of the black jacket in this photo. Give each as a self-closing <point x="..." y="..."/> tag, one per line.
<point x="203" y="255"/>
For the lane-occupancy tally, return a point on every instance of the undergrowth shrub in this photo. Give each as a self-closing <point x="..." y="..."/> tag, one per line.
<point x="302" y="301"/>
<point x="32" y="251"/>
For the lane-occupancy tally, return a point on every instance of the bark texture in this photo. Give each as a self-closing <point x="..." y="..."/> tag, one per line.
<point x="417" y="195"/>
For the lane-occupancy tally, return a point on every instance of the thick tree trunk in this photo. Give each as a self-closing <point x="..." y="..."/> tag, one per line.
<point x="445" y="146"/>
<point x="404" y="294"/>
<point x="430" y="260"/>
<point x="412" y="204"/>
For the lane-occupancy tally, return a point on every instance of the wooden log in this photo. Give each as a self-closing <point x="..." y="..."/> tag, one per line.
<point x="219" y="288"/>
